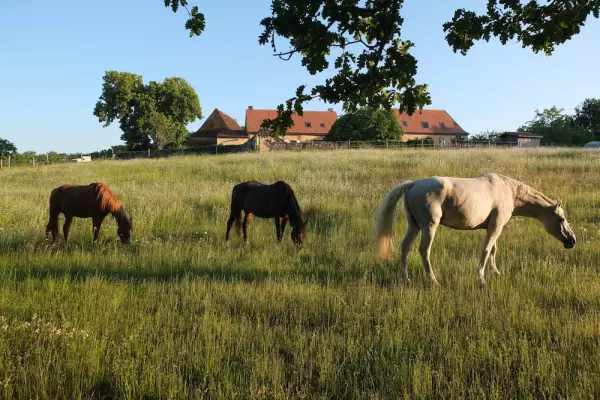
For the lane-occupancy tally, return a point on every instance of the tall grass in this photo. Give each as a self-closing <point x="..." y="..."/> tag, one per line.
<point x="179" y="314"/>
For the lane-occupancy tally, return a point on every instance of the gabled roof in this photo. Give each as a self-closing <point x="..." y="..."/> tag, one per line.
<point x="218" y="124"/>
<point x="433" y="122"/>
<point x="316" y="123"/>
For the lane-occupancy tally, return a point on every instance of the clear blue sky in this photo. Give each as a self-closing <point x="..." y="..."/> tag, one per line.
<point x="53" y="55"/>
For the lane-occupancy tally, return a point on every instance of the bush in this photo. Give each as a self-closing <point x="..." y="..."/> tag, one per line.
<point x="366" y="124"/>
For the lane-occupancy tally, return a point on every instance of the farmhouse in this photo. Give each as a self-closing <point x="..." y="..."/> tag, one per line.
<point x="436" y="124"/>
<point x="219" y="128"/>
<point x="313" y="125"/>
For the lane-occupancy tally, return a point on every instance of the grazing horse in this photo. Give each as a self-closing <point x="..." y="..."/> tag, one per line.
<point x="485" y="202"/>
<point x="94" y="201"/>
<point x="275" y="201"/>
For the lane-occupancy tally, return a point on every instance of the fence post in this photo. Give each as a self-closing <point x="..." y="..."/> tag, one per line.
<point x="148" y="152"/>
<point x="47" y="162"/>
<point x="216" y="148"/>
<point x="9" y="161"/>
<point x="421" y="143"/>
<point x="1" y="163"/>
<point x="387" y="143"/>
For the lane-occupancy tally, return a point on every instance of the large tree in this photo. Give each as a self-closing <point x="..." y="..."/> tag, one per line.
<point x="373" y="66"/>
<point x="557" y="127"/>
<point x="7" y="147"/>
<point x="587" y="115"/>
<point x="157" y="112"/>
<point x="366" y="124"/>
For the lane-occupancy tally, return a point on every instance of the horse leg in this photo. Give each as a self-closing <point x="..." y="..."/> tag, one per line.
<point x="97" y="223"/>
<point x="427" y="235"/>
<point x="278" y="229"/>
<point x="409" y="238"/>
<point x="245" y="225"/>
<point x="234" y="216"/>
<point x="52" y="226"/>
<point x="67" y="226"/>
<point x="493" y="258"/>
<point x="488" y="244"/>
<point x="284" y="221"/>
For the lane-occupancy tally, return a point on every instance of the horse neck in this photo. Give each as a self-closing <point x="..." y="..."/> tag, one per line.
<point x="119" y="214"/>
<point x="530" y="203"/>
<point x="294" y="212"/>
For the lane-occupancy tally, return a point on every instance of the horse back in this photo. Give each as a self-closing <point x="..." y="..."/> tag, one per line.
<point x="460" y="203"/>
<point x="75" y="200"/>
<point x="262" y="200"/>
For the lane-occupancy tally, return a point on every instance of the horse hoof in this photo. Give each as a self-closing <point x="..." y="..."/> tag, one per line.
<point x="482" y="283"/>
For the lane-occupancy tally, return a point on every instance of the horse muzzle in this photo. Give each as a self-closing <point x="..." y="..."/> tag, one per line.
<point x="569" y="243"/>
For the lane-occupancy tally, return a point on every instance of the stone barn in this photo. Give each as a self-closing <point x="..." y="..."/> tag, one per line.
<point x="219" y="128"/>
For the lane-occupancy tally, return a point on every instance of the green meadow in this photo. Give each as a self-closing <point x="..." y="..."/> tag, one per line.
<point x="179" y="314"/>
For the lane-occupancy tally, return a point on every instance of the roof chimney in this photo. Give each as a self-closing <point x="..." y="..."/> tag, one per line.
<point x="250" y="107"/>
<point x="330" y="109"/>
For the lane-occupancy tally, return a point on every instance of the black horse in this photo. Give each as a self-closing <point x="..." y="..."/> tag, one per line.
<point x="275" y="201"/>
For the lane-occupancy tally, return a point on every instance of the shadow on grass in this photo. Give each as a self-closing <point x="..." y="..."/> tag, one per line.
<point x="321" y="269"/>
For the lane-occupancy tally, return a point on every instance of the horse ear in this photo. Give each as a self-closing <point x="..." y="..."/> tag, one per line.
<point x="558" y="203"/>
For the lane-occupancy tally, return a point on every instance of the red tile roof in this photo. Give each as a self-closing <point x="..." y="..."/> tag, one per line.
<point x="435" y="122"/>
<point x="315" y="123"/>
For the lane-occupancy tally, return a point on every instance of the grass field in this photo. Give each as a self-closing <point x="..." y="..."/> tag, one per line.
<point x="178" y="314"/>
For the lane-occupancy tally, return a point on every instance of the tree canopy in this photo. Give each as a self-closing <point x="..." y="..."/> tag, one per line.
<point x="557" y="127"/>
<point x="157" y="112"/>
<point x="373" y="65"/>
<point x="7" y="147"/>
<point x="366" y="124"/>
<point x="587" y="115"/>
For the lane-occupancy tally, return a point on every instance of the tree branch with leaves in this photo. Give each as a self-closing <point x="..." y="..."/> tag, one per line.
<point x="373" y="66"/>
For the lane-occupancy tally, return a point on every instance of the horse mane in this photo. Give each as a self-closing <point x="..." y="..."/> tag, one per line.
<point x="296" y="213"/>
<point x="522" y="190"/>
<point x="108" y="200"/>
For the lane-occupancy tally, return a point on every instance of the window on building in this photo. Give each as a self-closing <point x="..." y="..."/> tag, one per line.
<point x="425" y="124"/>
<point x="308" y="124"/>
<point x="322" y="125"/>
<point x="404" y="123"/>
<point x="442" y="125"/>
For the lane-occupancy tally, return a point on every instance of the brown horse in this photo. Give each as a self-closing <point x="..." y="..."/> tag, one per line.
<point x="276" y="201"/>
<point x="94" y="201"/>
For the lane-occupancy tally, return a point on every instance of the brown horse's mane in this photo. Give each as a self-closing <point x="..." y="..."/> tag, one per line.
<point x="108" y="200"/>
<point x="296" y="215"/>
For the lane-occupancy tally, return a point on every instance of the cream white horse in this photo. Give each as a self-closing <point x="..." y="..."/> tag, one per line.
<point x="485" y="202"/>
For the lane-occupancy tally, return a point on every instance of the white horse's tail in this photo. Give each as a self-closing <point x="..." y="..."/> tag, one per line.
<point x="384" y="244"/>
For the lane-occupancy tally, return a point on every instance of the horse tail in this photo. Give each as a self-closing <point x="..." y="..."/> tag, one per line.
<point x="54" y="210"/>
<point x="385" y="219"/>
<point x="235" y="210"/>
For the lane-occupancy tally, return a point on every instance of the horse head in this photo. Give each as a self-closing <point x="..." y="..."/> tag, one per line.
<point x="556" y="224"/>
<point x="299" y="233"/>
<point x="125" y="223"/>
